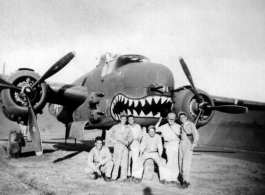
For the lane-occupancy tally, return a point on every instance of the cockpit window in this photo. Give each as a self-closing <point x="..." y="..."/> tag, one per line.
<point x="111" y="61"/>
<point x="126" y="59"/>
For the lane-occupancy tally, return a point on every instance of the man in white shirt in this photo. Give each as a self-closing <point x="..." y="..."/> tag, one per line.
<point x="121" y="135"/>
<point x="99" y="161"/>
<point x="171" y="134"/>
<point x="151" y="148"/>
<point x="134" y="147"/>
<point x="189" y="140"/>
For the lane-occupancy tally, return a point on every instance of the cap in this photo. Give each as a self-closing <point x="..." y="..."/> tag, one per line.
<point x="171" y="116"/>
<point x="151" y="127"/>
<point x="123" y="114"/>
<point x="181" y="112"/>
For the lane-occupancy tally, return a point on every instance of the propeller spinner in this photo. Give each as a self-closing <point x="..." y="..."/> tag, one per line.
<point x="27" y="92"/>
<point x="203" y="105"/>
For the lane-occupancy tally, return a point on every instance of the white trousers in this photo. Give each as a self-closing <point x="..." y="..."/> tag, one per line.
<point x="107" y="168"/>
<point x="172" y="149"/>
<point x="159" y="161"/>
<point x="185" y="157"/>
<point x="133" y="157"/>
<point x="120" y="158"/>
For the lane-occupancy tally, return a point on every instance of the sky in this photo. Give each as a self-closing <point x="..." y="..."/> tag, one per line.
<point x="222" y="42"/>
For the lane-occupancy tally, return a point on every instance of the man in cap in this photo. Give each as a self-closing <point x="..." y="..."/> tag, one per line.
<point x="171" y="134"/>
<point x="99" y="161"/>
<point x="122" y="136"/>
<point x="134" y="146"/>
<point x="151" y="148"/>
<point x="189" y="140"/>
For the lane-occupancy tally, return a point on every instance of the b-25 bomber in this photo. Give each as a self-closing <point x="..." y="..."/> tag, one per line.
<point x="119" y="83"/>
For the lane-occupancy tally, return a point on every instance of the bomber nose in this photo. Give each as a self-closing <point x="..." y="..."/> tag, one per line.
<point x="157" y="78"/>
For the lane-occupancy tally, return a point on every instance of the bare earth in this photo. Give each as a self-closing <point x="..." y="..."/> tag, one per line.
<point x="61" y="171"/>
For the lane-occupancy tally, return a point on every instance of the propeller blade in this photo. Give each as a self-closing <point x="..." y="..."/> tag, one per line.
<point x="7" y="85"/>
<point x="34" y="130"/>
<point x="188" y="75"/>
<point x="56" y="67"/>
<point x="197" y="118"/>
<point x="231" y="109"/>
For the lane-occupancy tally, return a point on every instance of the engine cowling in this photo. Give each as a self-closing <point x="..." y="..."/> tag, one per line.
<point x="185" y="100"/>
<point x="14" y="103"/>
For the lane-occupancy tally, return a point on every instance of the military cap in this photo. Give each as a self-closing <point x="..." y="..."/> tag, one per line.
<point x="181" y="112"/>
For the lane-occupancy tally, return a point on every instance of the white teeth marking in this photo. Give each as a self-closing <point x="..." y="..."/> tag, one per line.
<point x="149" y="100"/>
<point x="172" y="107"/>
<point x="130" y="102"/>
<point x="125" y="100"/>
<point x="135" y="103"/>
<point x="142" y="102"/>
<point x="119" y="97"/>
<point x="150" y="114"/>
<point x="135" y="113"/>
<point x="163" y="99"/>
<point x="156" y="99"/>
<point x="129" y="112"/>
<point x="114" y="102"/>
<point x="122" y="97"/>
<point x="157" y="115"/>
<point x="142" y="114"/>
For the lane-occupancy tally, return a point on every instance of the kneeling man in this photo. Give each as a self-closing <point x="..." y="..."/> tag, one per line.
<point x="99" y="161"/>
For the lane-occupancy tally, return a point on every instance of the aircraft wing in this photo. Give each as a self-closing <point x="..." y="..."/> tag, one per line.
<point x="251" y="105"/>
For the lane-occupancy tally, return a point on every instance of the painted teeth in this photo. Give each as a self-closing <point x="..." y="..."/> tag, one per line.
<point x="157" y="115"/>
<point x="135" y="105"/>
<point x="149" y="100"/>
<point x="130" y="102"/>
<point x="125" y="100"/>
<point x="163" y="99"/>
<point x="135" y="113"/>
<point x="156" y="99"/>
<point x="142" y="102"/>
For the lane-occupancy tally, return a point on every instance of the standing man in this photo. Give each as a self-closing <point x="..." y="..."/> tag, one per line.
<point x="189" y="140"/>
<point x="171" y="134"/>
<point x="151" y="148"/>
<point x="99" y="161"/>
<point x="122" y="136"/>
<point x="135" y="146"/>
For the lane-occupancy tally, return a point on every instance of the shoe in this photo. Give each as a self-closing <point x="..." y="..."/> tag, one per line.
<point x="176" y="183"/>
<point x="184" y="185"/>
<point x="128" y="180"/>
<point x="163" y="181"/>
<point x="107" y="179"/>
<point x="137" y="180"/>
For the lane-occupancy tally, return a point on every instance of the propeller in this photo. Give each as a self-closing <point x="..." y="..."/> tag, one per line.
<point x="7" y="85"/>
<point x="28" y="90"/>
<point x="232" y="109"/>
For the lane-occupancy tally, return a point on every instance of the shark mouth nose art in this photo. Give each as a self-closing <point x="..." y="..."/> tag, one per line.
<point x="146" y="107"/>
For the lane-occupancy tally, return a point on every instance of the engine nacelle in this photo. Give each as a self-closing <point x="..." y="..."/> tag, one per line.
<point x="185" y="100"/>
<point x="14" y="103"/>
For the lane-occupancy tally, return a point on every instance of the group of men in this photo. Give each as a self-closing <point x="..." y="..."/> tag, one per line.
<point x="132" y="143"/>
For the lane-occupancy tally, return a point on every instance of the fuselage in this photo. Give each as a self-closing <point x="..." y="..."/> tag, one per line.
<point x="127" y="87"/>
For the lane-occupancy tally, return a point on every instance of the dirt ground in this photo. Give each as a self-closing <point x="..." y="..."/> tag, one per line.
<point x="61" y="171"/>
